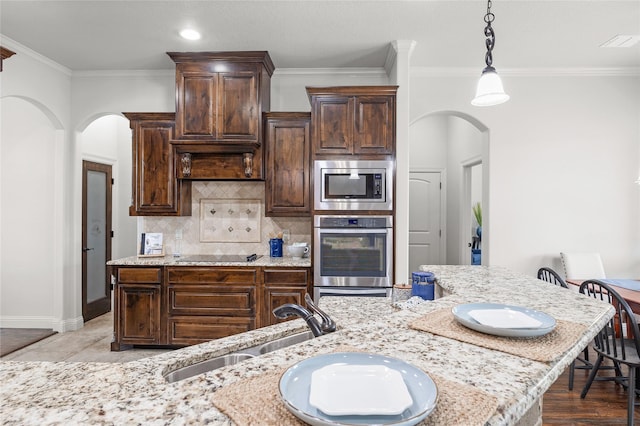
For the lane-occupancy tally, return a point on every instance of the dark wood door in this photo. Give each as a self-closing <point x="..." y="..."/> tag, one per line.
<point x="288" y="185"/>
<point x="238" y="99"/>
<point x="155" y="189"/>
<point x="332" y="125"/>
<point x="374" y="125"/>
<point x="96" y="239"/>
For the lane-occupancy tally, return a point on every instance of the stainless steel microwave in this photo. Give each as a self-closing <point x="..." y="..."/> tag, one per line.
<point x="353" y="185"/>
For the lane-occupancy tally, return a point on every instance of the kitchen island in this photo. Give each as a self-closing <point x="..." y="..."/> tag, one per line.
<point x="137" y="392"/>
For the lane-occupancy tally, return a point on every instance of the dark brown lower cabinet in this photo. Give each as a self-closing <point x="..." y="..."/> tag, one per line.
<point x="209" y="303"/>
<point x="185" y="305"/>
<point x="137" y="307"/>
<point x="283" y="286"/>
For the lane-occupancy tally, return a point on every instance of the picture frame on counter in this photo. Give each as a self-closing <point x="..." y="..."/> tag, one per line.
<point x="151" y="245"/>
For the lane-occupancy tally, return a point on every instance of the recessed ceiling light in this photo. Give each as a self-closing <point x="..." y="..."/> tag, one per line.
<point x="190" y="34"/>
<point x="622" y="40"/>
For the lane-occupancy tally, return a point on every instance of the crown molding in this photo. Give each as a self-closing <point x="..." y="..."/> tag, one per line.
<point x="24" y="50"/>
<point x="527" y="72"/>
<point x="125" y="73"/>
<point x="331" y="71"/>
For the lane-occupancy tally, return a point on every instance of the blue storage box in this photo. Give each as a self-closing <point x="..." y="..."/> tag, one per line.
<point x="423" y="285"/>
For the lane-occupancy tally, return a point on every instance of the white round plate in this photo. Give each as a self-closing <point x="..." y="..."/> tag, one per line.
<point x="461" y="314"/>
<point x="295" y="385"/>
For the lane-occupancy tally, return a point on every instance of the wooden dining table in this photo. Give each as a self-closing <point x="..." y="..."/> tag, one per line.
<point x="632" y="297"/>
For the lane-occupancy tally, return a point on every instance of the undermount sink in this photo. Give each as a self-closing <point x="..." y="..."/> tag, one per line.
<point x="236" y="357"/>
<point x="284" y="342"/>
<point x="204" y="366"/>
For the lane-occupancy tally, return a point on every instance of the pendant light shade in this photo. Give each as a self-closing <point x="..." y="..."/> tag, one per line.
<point x="490" y="91"/>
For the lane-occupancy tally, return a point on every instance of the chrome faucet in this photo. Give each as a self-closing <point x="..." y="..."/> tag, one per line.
<point x="289" y="309"/>
<point x="318" y="329"/>
<point x="328" y="325"/>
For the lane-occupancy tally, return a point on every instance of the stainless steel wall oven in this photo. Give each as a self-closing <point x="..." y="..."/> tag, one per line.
<point x="353" y="255"/>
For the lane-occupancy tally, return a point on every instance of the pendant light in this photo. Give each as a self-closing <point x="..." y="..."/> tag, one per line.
<point x="489" y="91"/>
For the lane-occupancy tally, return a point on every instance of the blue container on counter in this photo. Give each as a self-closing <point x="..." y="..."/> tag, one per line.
<point x="423" y="285"/>
<point x="275" y="247"/>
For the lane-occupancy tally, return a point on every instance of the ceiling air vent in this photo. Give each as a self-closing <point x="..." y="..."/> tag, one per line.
<point x="622" y="40"/>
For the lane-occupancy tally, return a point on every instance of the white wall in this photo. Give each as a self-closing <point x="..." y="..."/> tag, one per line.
<point x="288" y="91"/>
<point x="26" y="221"/>
<point x="563" y="159"/>
<point x="35" y="115"/>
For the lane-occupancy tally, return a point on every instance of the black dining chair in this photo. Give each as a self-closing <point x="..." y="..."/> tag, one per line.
<point x="551" y="276"/>
<point x="618" y="341"/>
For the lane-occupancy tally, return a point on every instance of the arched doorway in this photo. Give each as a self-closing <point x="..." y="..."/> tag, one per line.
<point x="446" y="150"/>
<point x="105" y="145"/>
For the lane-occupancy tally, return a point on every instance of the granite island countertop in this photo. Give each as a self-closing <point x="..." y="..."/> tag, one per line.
<point x="137" y="393"/>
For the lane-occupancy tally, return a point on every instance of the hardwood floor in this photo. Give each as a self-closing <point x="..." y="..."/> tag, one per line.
<point x="604" y="405"/>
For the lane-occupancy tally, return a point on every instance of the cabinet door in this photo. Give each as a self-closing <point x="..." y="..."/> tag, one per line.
<point x="137" y="307"/>
<point x="197" y="104"/>
<point x="283" y="286"/>
<point x="140" y="316"/>
<point x="374" y="125"/>
<point x="332" y="125"/>
<point x="239" y="114"/>
<point x="288" y="185"/>
<point x="155" y="189"/>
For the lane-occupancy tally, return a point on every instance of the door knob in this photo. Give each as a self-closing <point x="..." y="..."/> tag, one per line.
<point x="87" y="248"/>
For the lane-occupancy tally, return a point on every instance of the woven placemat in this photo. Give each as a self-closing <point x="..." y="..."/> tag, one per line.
<point x="256" y="401"/>
<point x="541" y="348"/>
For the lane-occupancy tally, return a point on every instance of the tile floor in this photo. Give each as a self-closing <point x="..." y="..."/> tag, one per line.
<point x="90" y="343"/>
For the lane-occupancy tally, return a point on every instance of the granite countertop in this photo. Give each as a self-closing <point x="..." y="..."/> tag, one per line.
<point x="168" y="260"/>
<point x="136" y="392"/>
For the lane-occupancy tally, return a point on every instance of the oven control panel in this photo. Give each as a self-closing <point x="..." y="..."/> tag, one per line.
<point x="368" y="222"/>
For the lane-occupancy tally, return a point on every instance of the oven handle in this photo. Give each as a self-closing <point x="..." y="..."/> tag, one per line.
<point x="353" y="230"/>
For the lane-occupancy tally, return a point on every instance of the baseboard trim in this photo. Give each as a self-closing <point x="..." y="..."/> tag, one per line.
<point x="55" y="324"/>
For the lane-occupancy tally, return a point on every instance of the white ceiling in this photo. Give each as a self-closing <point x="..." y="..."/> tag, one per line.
<point x="134" y="35"/>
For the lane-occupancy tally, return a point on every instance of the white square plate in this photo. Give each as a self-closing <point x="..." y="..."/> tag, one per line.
<point x="504" y="318"/>
<point x="343" y="389"/>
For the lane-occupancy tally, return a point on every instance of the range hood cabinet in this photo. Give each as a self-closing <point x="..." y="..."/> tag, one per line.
<point x="220" y="98"/>
<point x="230" y="162"/>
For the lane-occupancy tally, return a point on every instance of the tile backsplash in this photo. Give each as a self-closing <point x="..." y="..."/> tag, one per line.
<point x="227" y="194"/>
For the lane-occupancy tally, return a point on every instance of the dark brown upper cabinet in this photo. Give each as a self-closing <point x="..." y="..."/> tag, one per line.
<point x="288" y="155"/>
<point x="220" y="98"/>
<point x="353" y="120"/>
<point x="155" y="189"/>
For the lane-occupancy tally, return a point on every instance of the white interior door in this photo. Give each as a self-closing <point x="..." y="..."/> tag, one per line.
<point x="424" y="220"/>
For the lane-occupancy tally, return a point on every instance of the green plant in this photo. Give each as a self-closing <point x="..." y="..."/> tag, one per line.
<point x="477" y="212"/>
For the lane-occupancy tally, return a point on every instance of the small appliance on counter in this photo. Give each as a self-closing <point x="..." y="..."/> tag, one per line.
<point x="423" y="284"/>
<point x="298" y="250"/>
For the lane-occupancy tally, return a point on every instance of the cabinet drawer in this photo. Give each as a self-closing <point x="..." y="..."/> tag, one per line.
<point x="231" y="301"/>
<point x="287" y="277"/>
<point x="140" y="275"/>
<point x="193" y="330"/>
<point x="195" y="275"/>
